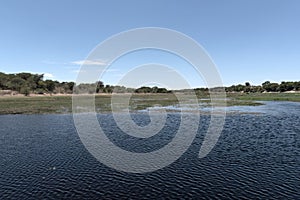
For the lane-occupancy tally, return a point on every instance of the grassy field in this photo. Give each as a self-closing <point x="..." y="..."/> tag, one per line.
<point x="266" y="96"/>
<point x="35" y="105"/>
<point x="63" y="104"/>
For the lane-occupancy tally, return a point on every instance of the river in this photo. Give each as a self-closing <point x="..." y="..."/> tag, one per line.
<point x="256" y="156"/>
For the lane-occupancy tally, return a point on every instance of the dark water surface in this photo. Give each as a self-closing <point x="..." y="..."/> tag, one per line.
<point x="257" y="156"/>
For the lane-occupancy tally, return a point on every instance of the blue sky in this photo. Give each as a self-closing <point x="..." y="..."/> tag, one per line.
<point x="253" y="40"/>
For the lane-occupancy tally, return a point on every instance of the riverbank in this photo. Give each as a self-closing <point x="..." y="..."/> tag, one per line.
<point x="63" y="103"/>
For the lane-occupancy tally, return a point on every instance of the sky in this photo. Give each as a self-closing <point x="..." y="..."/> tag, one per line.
<point x="248" y="40"/>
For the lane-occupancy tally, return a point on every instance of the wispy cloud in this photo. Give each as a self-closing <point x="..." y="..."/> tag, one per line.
<point x="48" y="62"/>
<point x="89" y="62"/>
<point x="100" y="70"/>
<point x="77" y="62"/>
<point x="119" y="75"/>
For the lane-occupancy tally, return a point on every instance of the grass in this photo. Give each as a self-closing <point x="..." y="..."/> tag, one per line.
<point x="63" y="104"/>
<point x="266" y="96"/>
<point x="35" y="105"/>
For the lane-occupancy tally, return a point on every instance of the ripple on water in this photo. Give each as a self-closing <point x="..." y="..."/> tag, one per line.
<point x="257" y="156"/>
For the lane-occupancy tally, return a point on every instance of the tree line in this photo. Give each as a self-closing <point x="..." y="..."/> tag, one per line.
<point x="28" y="83"/>
<point x="267" y="86"/>
<point x="99" y="87"/>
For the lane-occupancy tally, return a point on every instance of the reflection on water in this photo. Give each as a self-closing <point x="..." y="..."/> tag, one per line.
<point x="257" y="156"/>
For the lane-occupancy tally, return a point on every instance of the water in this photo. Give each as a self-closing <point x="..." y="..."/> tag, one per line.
<point x="257" y="156"/>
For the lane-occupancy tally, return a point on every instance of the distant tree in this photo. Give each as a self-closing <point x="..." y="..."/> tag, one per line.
<point x="71" y="85"/>
<point x="50" y="85"/>
<point x="247" y="87"/>
<point x="86" y="88"/>
<point x="108" y="89"/>
<point x="258" y="89"/>
<point x="130" y="90"/>
<point x="41" y="86"/>
<point x="270" y="87"/>
<point x="37" y="77"/>
<point x="162" y="90"/>
<point x="289" y="86"/>
<point x="4" y="79"/>
<point x="273" y="87"/>
<point x="27" y="83"/>
<point x="154" y="89"/>
<point x="25" y="90"/>
<point x="266" y="83"/>
<point x="100" y="86"/>
<point x="16" y="83"/>
<point x="204" y="91"/>
<point x="24" y="75"/>
<point x="297" y="85"/>
<point x="119" y="89"/>
<point x="143" y="89"/>
<point x="240" y="88"/>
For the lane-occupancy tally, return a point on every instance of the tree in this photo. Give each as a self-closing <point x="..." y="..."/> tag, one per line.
<point x="24" y="75"/>
<point x="49" y="85"/>
<point x="270" y="87"/>
<point x="71" y="85"/>
<point x="100" y="86"/>
<point x="154" y="89"/>
<point x="297" y="85"/>
<point x="119" y="89"/>
<point x="4" y="78"/>
<point x="143" y="89"/>
<point x="162" y="90"/>
<point x="25" y="90"/>
<point x="240" y="88"/>
<point x="108" y="89"/>
<point x="274" y="87"/>
<point x="37" y="78"/>
<point x="255" y="89"/>
<point x="247" y="88"/>
<point x="16" y="83"/>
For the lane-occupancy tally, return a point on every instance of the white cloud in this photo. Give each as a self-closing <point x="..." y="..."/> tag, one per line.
<point x="89" y="62"/>
<point x="48" y="76"/>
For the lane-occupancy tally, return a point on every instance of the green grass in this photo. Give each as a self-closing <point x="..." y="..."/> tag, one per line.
<point x="266" y="96"/>
<point x="63" y="104"/>
<point x="35" y="105"/>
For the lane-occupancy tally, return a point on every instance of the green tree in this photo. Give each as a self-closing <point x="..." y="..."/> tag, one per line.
<point x="4" y="79"/>
<point x="25" y="90"/>
<point x="16" y="83"/>
<point x="270" y="87"/>
<point x="143" y="89"/>
<point x="71" y="85"/>
<point x="49" y="85"/>
<point x="24" y="75"/>
<point x="162" y="90"/>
